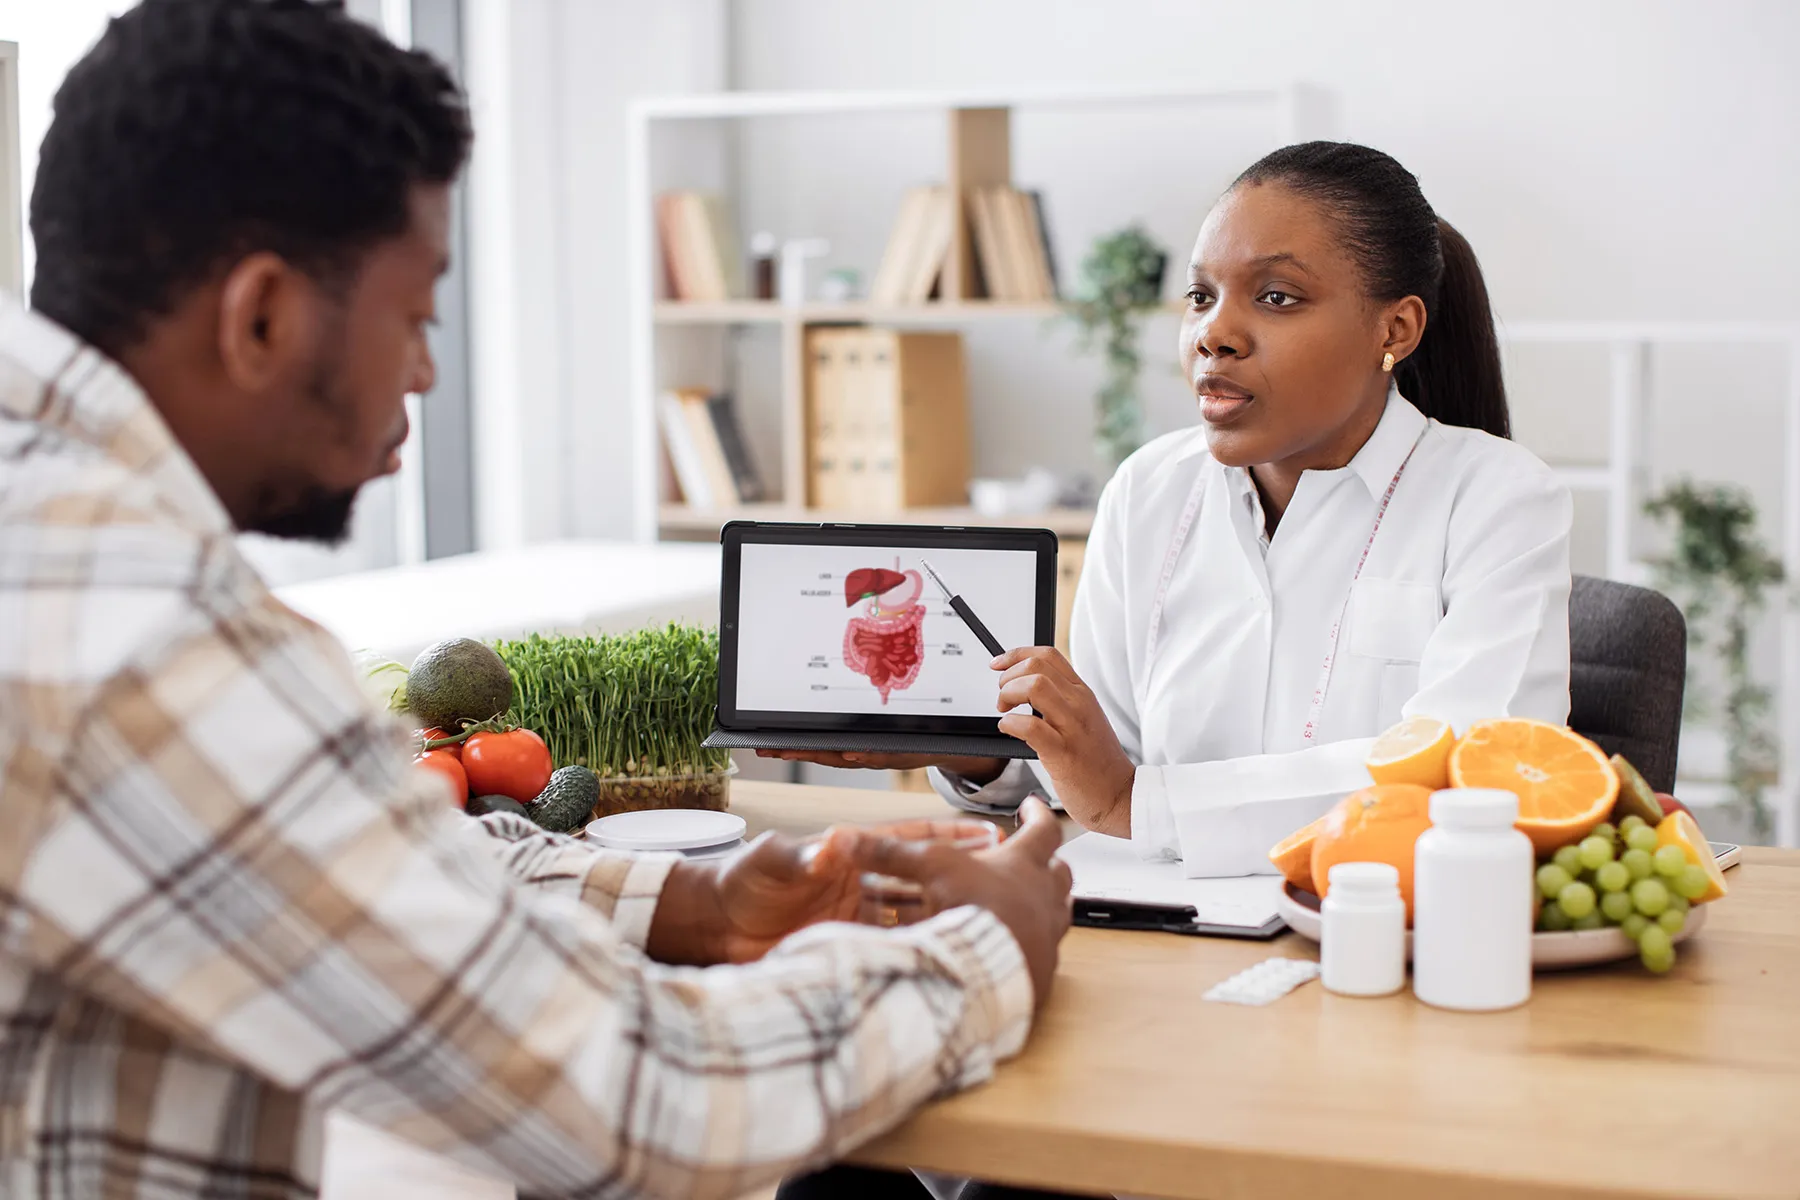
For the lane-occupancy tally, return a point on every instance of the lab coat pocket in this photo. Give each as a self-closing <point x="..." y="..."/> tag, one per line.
<point x="1392" y="619"/>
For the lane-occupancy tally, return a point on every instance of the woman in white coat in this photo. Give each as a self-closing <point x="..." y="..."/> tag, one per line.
<point x="1347" y="538"/>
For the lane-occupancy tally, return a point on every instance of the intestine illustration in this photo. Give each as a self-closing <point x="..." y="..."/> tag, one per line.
<point x="886" y="642"/>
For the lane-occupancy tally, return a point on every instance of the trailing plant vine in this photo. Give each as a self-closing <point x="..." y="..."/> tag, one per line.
<point x="1120" y="281"/>
<point x="1721" y="574"/>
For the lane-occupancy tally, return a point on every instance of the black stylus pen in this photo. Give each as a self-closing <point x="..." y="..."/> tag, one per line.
<point x="961" y="609"/>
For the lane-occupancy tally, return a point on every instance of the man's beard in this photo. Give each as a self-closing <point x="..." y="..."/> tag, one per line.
<point x="316" y="515"/>
<point x="309" y="512"/>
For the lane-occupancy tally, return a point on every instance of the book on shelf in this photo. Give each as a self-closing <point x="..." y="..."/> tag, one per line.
<point x="699" y="247"/>
<point x="707" y="449"/>
<point x="917" y="247"/>
<point x="730" y="432"/>
<point x="887" y="420"/>
<point x="684" y="454"/>
<point x="1012" y="243"/>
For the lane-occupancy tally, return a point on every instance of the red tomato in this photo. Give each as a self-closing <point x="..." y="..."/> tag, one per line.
<point x="445" y="766"/>
<point x="434" y="735"/>
<point x="515" y="763"/>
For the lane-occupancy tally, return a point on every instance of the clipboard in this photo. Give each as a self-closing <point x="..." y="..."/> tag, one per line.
<point x="1115" y="889"/>
<point x="1161" y="918"/>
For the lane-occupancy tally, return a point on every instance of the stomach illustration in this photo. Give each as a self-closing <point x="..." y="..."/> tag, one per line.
<point x="886" y="642"/>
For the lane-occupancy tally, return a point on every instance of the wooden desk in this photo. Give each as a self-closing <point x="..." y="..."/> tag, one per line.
<point x="1609" y="1083"/>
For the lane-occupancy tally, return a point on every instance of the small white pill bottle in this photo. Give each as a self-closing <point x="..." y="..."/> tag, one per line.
<point x="1362" y="940"/>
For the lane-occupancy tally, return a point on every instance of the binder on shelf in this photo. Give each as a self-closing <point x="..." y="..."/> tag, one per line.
<point x="1041" y="262"/>
<point x="824" y="393"/>
<point x="996" y="270"/>
<point x="888" y="414"/>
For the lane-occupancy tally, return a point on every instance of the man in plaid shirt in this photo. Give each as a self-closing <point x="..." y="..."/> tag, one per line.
<point x="226" y="904"/>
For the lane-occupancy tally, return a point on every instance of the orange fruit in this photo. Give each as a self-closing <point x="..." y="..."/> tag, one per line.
<point x="1680" y="829"/>
<point x="1564" y="782"/>
<point x="1377" y="824"/>
<point x="1292" y="855"/>
<point x="1417" y="750"/>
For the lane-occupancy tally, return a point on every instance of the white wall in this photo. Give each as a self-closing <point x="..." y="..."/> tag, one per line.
<point x="550" y="81"/>
<point x="1608" y="159"/>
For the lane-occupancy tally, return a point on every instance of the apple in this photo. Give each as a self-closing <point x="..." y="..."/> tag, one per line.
<point x="1671" y="805"/>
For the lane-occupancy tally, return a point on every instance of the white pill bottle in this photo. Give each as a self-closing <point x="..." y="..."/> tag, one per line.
<point x="1472" y="894"/>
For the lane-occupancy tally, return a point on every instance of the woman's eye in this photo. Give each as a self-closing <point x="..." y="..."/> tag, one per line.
<point x="1280" y="299"/>
<point x="1198" y="298"/>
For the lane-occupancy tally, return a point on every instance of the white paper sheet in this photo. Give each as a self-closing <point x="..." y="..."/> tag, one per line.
<point x="1107" y="868"/>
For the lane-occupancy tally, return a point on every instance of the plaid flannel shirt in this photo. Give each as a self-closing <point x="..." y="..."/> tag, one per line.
<point x="227" y="906"/>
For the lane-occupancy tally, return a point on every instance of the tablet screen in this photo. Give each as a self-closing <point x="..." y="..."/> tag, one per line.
<point x="862" y="629"/>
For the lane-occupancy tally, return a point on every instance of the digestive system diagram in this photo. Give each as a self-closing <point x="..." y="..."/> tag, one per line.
<point x="886" y="642"/>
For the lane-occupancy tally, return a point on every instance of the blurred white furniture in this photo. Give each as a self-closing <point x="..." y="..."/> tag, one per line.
<point x="12" y="187"/>
<point x="557" y="587"/>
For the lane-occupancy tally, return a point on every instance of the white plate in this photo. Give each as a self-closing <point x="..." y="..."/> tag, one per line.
<point x="667" y="829"/>
<point x="1549" y="951"/>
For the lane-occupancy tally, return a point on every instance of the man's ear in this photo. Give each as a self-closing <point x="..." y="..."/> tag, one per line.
<point x="1402" y="325"/>
<point x="268" y="320"/>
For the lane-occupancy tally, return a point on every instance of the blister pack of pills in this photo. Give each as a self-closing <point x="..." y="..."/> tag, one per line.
<point x="1268" y="981"/>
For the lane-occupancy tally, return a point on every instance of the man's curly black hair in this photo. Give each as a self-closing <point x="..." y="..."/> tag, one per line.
<point x="198" y="131"/>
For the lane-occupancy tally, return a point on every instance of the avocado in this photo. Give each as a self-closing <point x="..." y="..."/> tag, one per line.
<point x="566" y="800"/>
<point x="481" y="806"/>
<point x="456" y="682"/>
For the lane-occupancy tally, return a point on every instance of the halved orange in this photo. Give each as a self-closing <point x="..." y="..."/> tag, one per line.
<point x="1680" y="829"/>
<point x="1292" y="855"/>
<point x="1416" y="751"/>
<point x="1564" y="782"/>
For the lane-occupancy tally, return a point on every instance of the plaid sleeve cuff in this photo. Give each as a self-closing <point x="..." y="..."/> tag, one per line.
<point x="628" y="887"/>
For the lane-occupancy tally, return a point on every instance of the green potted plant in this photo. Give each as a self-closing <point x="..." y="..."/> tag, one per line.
<point x="632" y="708"/>
<point x="1120" y="281"/>
<point x="1721" y="574"/>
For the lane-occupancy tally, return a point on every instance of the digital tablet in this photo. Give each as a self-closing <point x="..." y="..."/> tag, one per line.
<point x="838" y="637"/>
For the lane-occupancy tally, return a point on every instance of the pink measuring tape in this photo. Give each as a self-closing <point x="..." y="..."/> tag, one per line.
<point x="1183" y="527"/>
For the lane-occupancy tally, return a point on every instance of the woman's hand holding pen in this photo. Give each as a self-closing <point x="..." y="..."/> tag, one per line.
<point x="1071" y="735"/>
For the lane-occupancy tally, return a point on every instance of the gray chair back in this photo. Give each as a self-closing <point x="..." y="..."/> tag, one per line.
<point x="1627" y="670"/>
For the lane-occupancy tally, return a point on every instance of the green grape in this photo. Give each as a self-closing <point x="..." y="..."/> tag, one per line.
<point x="1577" y="900"/>
<point x="1639" y="863"/>
<point x="1552" y="919"/>
<point x="1605" y="830"/>
<point x="1631" y="822"/>
<point x="1650" y="897"/>
<point x="1656" y="948"/>
<point x="1670" y="860"/>
<point x="1679" y="904"/>
<point x="1594" y="852"/>
<point x="1633" y="926"/>
<point x="1641" y="838"/>
<point x="1672" y="921"/>
<point x="1552" y="879"/>
<point x="1569" y="859"/>
<point x="1692" y="883"/>
<point x="1592" y="920"/>
<point x="1617" y="906"/>
<point x="1613" y="877"/>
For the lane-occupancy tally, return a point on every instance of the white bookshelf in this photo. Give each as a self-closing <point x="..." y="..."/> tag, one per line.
<point x="665" y="152"/>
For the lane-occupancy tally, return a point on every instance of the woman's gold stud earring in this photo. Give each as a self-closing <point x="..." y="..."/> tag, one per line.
<point x="1387" y="362"/>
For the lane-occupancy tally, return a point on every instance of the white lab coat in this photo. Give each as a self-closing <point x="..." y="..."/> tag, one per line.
<point x="1460" y="612"/>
